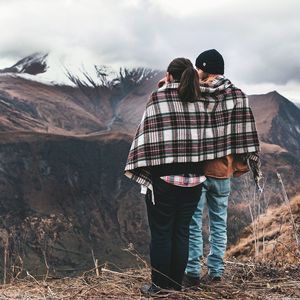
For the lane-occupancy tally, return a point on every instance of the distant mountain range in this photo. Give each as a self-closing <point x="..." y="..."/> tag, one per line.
<point x="63" y="148"/>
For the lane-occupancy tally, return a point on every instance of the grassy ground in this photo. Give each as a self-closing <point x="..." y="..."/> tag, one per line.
<point x="241" y="281"/>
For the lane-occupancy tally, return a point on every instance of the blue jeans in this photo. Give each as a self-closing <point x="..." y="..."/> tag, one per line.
<point x="215" y="193"/>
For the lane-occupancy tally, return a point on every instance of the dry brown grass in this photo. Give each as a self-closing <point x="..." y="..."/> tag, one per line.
<point x="275" y="236"/>
<point x="241" y="281"/>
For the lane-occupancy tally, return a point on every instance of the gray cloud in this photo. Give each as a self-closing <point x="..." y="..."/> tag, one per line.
<point x="259" y="39"/>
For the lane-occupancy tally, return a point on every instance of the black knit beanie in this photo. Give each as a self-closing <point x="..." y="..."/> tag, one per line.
<point x="210" y="61"/>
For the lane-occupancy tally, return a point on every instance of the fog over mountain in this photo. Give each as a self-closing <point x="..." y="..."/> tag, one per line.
<point x="258" y="39"/>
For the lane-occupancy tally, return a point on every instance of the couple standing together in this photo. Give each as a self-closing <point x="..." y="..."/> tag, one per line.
<point x="197" y="131"/>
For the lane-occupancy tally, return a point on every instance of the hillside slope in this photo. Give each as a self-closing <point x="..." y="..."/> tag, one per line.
<point x="27" y="105"/>
<point x="272" y="236"/>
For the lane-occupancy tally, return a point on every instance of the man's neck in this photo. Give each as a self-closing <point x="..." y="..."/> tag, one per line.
<point x="210" y="78"/>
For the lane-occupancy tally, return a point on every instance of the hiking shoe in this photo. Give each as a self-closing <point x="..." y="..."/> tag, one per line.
<point x="208" y="279"/>
<point x="150" y="290"/>
<point x="190" y="281"/>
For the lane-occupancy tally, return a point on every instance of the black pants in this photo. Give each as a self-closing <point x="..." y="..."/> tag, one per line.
<point x="169" y="221"/>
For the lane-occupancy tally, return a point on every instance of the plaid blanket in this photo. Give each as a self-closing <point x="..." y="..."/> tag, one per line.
<point x="171" y="131"/>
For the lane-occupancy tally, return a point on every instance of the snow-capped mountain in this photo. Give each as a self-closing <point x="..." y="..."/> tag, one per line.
<point x="33" y="64"/>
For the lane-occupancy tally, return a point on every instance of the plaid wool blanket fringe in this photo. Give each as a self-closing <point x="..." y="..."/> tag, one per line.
<point x="172" y="131"/>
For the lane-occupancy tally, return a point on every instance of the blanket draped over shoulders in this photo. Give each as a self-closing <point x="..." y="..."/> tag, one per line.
<point x="172" y="131"/>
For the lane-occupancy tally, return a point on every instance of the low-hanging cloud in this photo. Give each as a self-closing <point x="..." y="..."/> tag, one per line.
<point x="259" y="39"/>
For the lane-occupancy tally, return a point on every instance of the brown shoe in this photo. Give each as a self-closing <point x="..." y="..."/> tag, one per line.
<point x="190" y="281"/>
<point x="208" y="279"/>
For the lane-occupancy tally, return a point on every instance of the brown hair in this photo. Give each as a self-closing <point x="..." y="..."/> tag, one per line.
<point x="183" y="71"/>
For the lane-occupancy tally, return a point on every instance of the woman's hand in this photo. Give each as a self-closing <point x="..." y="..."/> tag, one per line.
<point x="162" y="82"/>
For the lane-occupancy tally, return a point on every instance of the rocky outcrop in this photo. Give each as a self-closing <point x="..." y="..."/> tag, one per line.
<point x="63" y="198"/>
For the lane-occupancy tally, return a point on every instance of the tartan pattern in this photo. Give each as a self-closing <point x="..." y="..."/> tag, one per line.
<point x="184" y="180"/>
<point x="254" y="165"/>
<point x="172" y="131"/>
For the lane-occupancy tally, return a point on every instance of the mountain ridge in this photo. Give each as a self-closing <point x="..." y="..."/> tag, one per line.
<point x="278" y="120"/>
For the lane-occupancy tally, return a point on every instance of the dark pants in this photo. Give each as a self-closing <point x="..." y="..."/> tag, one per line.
<point x="169" y="221"/>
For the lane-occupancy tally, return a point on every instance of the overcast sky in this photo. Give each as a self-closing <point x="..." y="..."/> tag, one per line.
<point x="259" y="39"/>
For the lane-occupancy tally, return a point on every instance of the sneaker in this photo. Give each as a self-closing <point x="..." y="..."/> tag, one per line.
<point x="190" y="281"/>
<point x="150" y="290"/>
<point x="208" y="279"/>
